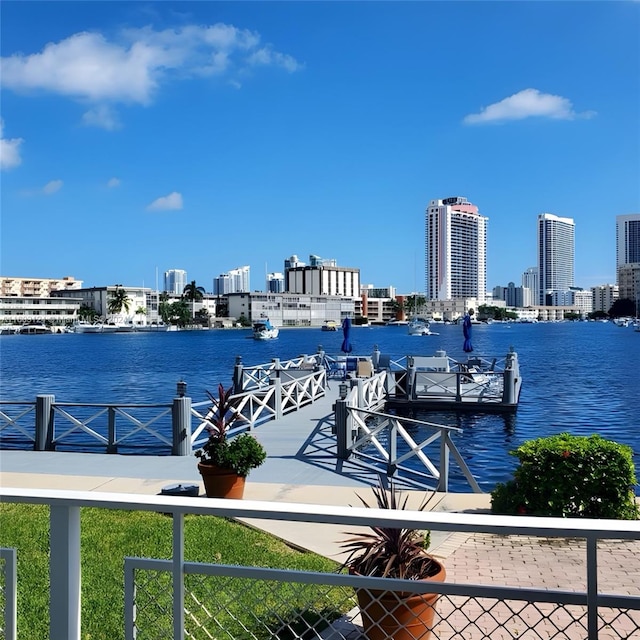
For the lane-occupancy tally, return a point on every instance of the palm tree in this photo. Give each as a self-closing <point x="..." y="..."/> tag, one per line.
<point x="86" y="312"/>
<point x="193" y="293"/>
<point x="164" y="307"/>
<point x="118" y="300"/>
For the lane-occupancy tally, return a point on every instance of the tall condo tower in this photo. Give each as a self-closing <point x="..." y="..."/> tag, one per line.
<point x="175" y="280"/>
<point x="627" y="239"/>
<point x="556" y="254"/>
<point x="455" y="250"/>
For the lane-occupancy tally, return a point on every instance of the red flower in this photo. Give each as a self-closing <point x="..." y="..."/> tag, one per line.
<point x="566" y="454"/>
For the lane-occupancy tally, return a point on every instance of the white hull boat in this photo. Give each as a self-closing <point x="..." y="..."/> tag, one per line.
<point x="264" y="330"/>
<point x="418" y="327"/>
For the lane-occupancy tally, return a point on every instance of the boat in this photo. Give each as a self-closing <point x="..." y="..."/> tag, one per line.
<point x="34" y="329"/>
<point x="83" y="326"/>
<point x="330" y="325"/>
<point x="264" y="330"/>
<point x="420" y="327"/>
<point x="397" y="323"/>
<point x="8" y="329"/>
<point x="156" y="326"/>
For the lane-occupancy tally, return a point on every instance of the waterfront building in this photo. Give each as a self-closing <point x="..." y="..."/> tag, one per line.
<point x="629" y="283"/>
<point x="556" y="255"/>
<point x="530" y="283"/>
<point x="583" y="300"/>
<point x="50" y="310"/>
<point x="603" y="296"/>
<point x="628" y="257"/>
<point x="627" y="239"/>
<point x="234" y="281"/>
<point x="290" y="309"/>
<point x="275" y="282"/>
<point x="97" y="298"/>
<point x="321" y="278"/>
<point x="517" y="297"/>
<point x="455" y="250"/>
<point x="175" y="280"/>
<point x="36" y="287"/>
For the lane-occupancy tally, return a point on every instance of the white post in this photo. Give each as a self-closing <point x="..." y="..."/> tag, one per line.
<point x="64" y="572"/>
<point x="178" y="576"/>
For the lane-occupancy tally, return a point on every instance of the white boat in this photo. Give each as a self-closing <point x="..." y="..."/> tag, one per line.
<point x="8" y="329"/>
<point x="330" y="325"/>
<point x="264" y="330"/>
<point x="420" y="327"/>
<point x="34" y="329"/>
<point x="82" y="326"/>
<point x="156" y="326"/>
<point x="122" y="325"/>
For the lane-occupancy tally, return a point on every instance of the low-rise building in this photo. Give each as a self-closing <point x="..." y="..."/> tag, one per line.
<point x="37" y="287"/>
<point x="290" y="309"/>
<point x="50" y="310"/>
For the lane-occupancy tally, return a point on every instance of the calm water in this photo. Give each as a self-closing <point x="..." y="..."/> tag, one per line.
<point x="582" y="378"/>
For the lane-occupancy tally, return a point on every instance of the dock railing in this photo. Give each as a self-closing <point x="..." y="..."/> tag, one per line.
<point x="385" y="441"/>
<point x="47" y="424"/>
<point x="176" y="598"/>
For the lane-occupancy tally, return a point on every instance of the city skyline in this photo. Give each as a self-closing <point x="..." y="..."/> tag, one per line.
<point x="219" y="134"/>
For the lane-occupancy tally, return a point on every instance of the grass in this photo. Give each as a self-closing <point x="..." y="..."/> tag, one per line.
<point x="108" y="536"/>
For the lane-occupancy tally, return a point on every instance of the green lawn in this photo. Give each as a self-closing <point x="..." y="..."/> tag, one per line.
<point x="108" y="536"/>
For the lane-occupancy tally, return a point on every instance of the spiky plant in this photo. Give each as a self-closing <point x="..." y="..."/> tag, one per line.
<point x="390" y="552"/>
<point x="239" y="454"/>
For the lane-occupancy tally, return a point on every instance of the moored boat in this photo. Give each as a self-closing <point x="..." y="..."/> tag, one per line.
<point x="420" y="327"/>
<point x="34" y="329"/>
<point x="264" y="330"/>
<point x="330" y="325"/>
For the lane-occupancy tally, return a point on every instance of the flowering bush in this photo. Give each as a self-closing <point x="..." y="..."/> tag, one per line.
<point x="570" y="476"/>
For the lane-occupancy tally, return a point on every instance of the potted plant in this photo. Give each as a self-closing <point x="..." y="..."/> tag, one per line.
<point x="389" y="552"/>
<point x="224" y="462"/>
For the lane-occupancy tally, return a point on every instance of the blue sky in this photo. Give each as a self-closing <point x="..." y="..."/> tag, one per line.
<point x="144" y="136"/>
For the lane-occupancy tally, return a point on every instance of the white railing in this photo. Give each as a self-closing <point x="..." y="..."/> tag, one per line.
<point x="114" y="427"/>
<point x="465" y="610"/>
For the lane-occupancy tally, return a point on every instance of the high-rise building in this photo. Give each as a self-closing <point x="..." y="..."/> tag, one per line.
<point x="321" y="278"/>
<point x="556" y="255"/>
<point x="275" y="283"/>
<point x="628" y="258"/>
<point x="604" y="295"/>
<point x="175" y="280"/>
<point x="234" y="281"/>
<point x="627" y="239"/>
<point x="455" y="250"/>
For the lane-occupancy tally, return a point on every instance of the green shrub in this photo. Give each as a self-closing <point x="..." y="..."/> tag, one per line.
<point x="570" y="476"/>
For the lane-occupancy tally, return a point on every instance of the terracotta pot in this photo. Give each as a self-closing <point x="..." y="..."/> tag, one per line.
<point x="388" y="615"/>
<point x="221" y="483"/>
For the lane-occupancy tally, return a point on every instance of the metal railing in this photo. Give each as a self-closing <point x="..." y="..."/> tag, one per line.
<point x="189" y="599"/>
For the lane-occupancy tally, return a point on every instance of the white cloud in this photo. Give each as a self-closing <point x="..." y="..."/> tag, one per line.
<point x="130" y="67"/>
<point x="52" y="187"/>
<point x="113" y="182"/>
<point x="9" y="150"/>
<point x="527" y="104"/>
<point x="102" y="116"/>
<point x="172" y="202"/>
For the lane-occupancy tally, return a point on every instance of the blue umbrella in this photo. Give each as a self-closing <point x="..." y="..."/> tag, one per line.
<point x="346" y="332"/>
<point x="466" y="329"/>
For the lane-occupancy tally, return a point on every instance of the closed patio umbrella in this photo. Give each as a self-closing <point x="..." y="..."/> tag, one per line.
<point x="346" y="332"/>
<point x="466" y="330"/>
